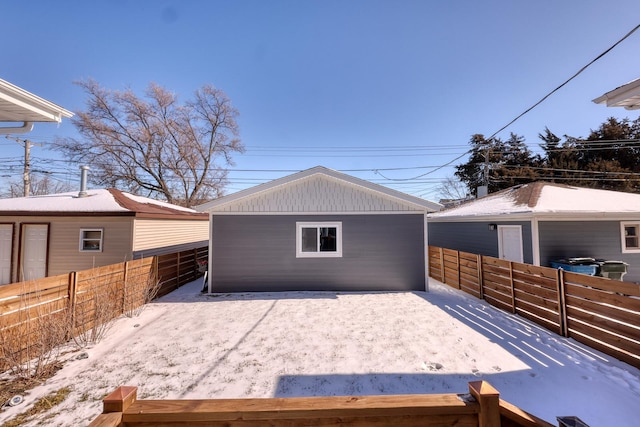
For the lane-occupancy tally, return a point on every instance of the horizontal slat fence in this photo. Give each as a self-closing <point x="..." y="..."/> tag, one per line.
<point x="604" y="314"/>
<point x="599" y="312"/>
<point x="75" y="300"/>
<point x="174" y="270"/>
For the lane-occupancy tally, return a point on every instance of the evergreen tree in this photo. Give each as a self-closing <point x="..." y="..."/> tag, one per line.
<point x="609" y="159"/>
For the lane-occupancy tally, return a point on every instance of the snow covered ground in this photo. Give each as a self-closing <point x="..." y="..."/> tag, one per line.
<point x="192" y="346"/>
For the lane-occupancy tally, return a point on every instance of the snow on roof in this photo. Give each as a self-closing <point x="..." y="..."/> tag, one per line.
<point x="546" y="198"/>
<point x="108" y="201"/>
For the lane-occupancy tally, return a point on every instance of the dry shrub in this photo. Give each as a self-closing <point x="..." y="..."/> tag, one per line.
<point x="140" y="289"/>
<point x="95" y="311"/>
<point x="31" y="335"/>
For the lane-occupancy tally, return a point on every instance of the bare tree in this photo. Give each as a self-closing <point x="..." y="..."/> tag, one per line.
<point x="39" y="186"/>
<point x="155" y="145"/>
<point x="452" y="188"/>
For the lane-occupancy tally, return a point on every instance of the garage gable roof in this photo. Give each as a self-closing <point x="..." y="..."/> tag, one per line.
<point x="18" y="105"/>
<point x="318" y="190"/>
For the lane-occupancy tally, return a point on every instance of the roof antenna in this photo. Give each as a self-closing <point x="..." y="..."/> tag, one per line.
<point x="83" y="181"/>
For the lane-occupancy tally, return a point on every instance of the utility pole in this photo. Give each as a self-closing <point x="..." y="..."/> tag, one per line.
<point x="26" y="172"/>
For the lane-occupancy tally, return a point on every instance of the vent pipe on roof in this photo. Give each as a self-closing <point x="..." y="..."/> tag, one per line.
<point x="83" y="181"/>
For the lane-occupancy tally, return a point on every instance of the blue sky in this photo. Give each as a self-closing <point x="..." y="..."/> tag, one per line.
<point x="361" y="86"/>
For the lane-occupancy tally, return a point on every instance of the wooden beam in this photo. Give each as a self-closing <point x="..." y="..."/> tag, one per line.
<point x="114" y="419"/>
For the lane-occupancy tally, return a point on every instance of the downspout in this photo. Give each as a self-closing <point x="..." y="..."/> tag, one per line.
<point x="535" y="240"/>
<point x="426" y="253"/>
<point x="210" y="260"/>
<point x="26" y="127"/>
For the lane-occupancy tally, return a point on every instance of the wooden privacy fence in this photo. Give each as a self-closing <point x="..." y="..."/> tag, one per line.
<point x="482" y="407"/>
<point x="599" y="312"/>
<point x="37" y="315"/>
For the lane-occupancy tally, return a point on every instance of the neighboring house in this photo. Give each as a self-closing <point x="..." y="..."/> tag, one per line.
<point x="58" y="233"/>
<point x="318" y="230"/>
<point x="540" y="222"/>
<point x="627" y="96"/>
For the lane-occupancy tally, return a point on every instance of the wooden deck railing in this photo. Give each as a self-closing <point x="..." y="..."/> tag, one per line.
<point x="482" y="407"/>
<point x="599" y="312"/>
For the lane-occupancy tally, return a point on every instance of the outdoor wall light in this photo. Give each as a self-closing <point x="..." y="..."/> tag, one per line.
<point x="492" y="227"/>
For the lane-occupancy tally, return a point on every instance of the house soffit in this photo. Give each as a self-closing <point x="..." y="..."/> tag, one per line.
<point x="18" y="105"/>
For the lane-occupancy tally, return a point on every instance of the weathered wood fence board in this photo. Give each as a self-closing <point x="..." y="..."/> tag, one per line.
<point x="117" y="288"/>
<point x="599" y="312"/>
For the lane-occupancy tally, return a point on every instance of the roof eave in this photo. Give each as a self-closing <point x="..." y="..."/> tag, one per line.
<point x="627" y="96"/>
<point x="46" y="111"/>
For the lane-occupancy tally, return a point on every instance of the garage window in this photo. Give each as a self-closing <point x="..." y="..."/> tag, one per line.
<point x="91" y="240"/>
<point x="318" y="239"/>
<point x="630" y="237"/>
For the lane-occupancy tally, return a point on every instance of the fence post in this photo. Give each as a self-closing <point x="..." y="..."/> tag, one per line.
<point x="489" y="400"/>
<point x="72" y="291"/>
<point x="114" y="405"/>
<point x="562" y="304"/>
<point x="178" y="278"/>
<point x="441" y="253"/>
<point x="513" y="290"/>
<point x="194" y="267"/>
<point x="458" y="268"/>
<point x="125" y="277"/>
<point x="480" y="278"/>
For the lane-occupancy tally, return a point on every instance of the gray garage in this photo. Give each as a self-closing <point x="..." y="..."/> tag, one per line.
<point x="318" y="230"/>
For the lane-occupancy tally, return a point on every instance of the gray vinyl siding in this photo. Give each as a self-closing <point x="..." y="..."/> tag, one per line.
<point x="594" y="239"/>
<point x="476" y="238"/>
<point x="258" y="253"/>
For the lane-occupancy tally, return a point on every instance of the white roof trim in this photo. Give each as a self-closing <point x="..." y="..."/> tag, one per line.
<point x="627" y="96"/>
<point x="253" y="191"/>
<point x="19" y="105"/>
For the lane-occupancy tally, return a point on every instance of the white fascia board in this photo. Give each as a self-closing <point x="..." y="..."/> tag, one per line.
<point x="543" y="217"/>
<point x="312" y="213"/>
<point x="621" y="96"/>
<point x="524" y="216"/>
<point x="30" y="103"/>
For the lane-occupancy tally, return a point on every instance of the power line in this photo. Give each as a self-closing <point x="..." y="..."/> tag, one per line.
<point x="566" y="81"/>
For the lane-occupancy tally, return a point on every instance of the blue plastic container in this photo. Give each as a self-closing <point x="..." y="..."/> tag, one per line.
<point x="590" y="269"/>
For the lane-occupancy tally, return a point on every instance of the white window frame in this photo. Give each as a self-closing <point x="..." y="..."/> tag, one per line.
<point x="318" y="254"/>
<point x="623" y="239"/>
<point x="83" y="239"/>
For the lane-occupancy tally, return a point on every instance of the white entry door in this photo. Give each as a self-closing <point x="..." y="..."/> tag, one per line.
<point x="6" y="243"/>
<point x="34" y="251"/>
<point x="510" y="242"/>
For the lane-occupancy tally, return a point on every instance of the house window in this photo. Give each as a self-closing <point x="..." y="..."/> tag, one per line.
<point x="318" y="239"/>
<point x="91" y="240"/>
<point x="630" y="237"/>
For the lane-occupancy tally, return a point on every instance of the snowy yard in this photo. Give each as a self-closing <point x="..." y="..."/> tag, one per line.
<point x="192" y="346"/>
